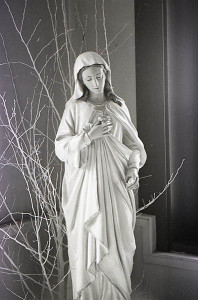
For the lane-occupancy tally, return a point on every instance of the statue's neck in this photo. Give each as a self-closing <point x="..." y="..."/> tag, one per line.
<point x="97" y="98"/>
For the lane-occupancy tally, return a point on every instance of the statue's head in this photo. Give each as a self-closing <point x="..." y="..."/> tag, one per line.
<point x="92" y="73"/>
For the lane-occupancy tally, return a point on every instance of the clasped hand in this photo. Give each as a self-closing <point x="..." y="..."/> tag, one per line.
<point x="100" y="129"/>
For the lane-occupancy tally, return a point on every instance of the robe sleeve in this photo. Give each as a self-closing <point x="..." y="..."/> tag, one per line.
<point x="69" y="146"/>
<point x="132" y="141"/>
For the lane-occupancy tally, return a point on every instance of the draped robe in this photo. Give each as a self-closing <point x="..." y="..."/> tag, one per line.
<point x="99" y="210"/>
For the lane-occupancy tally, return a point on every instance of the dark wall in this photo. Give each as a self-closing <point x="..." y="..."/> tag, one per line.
<point x="21" y="87"/>
<point x="182" y="51"/>
<point x="151" y="109"/>
<point x="17" y="81"/>
<point x="167" y="107"/>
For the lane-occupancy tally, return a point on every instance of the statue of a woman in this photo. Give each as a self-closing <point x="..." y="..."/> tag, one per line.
<point x="102" y="153"/>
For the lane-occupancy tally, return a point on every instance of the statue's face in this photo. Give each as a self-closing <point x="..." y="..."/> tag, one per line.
<point x="94" y="79"/>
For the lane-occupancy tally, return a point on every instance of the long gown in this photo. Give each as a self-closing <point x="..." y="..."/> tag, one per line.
<point x="99" y="210"/>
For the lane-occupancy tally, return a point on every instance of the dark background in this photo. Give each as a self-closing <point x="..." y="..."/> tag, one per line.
<point x="167" y="109"/>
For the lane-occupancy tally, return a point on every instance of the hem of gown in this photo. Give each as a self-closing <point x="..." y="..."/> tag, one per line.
<point x="80" y="292"/>
<point x="99" y="270"/>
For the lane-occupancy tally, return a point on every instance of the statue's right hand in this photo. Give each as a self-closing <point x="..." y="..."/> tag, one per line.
<point x="100" y="130"/>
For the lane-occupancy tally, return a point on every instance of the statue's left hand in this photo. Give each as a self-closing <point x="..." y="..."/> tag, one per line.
<point x="133" y="180"/>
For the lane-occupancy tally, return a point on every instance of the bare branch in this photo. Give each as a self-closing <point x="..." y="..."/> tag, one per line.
<point x="33" y="31"/>
<point x="154" y="198"/>
<point x="23" y="16"/>
<point x="96" y="25"/>
<point x="105" y="32"/>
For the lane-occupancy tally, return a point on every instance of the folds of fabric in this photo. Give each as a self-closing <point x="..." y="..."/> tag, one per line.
<point x="99" y="210"/>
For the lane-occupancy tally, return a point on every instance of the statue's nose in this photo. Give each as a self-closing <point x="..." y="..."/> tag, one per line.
<point x="96" y="82"/>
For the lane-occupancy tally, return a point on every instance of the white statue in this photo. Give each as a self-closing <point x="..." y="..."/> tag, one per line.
<point x="102" y="153"/>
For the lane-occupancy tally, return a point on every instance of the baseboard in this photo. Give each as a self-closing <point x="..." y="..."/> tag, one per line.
<point x="147" y="224"/>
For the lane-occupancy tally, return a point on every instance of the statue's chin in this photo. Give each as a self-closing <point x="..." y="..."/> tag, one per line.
<point x="97" y="91"/>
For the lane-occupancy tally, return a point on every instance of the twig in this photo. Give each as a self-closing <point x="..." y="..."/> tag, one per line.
<point x="172" y="178"/>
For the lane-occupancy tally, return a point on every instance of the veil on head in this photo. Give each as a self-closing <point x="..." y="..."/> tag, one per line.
<point x="87" y="59"/>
